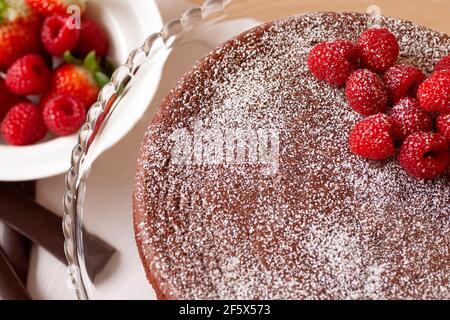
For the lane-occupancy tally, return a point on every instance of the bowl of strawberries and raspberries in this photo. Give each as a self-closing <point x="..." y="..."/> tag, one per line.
<point x="55" y="56"/>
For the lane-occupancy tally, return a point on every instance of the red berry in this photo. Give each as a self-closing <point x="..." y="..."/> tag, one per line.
<point x="443" y="125"/>
<point x="378" y="49"/>
<point x="443" y="64"/>
<point x="407" y="117"/>
<point x="57" y="36"/>
<point x="333" y="61"/>
<point x="424" y="155"/>
<point x="52" y="7"/>
<point x="92" y="38"/>
<point x="7" y="100"/>
<point x="402" y="81"/>
<point x="64" y="114"/>
<point x="23" y="125"/>
<point x="434" y="93"/>
<point x="28" y="76"/>
<point x="366" y="92"/>
<point x="348" y="50"/>
<point x="74" y="80"/>
<point x="19" y="32"/>
<point x="372" y="139"/>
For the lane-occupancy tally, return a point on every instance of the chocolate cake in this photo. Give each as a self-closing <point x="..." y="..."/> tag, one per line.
<point x="295" y="215"/>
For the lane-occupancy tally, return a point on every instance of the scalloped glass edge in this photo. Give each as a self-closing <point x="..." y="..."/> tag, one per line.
<point x="100" y="110"/>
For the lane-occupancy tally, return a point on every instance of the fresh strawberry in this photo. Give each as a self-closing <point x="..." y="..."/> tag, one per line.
<point x="443" y="64"/>
<point x="23" y="125"/>
<point x="402" y="81"/>
<point x="333" y="62"/>
<point x="378" y="49"/>
<point x="92" y="38"/>
<point x="7" y="99"/>
<point x="52" y="7"/>
<point x="75" y="80"/>
<point x="64" y="114"/>
<point x="28" y="76"/>
<point x="424" y="155"/>
<point x="366" y="93"/>
<point x="372" y="139"/>
<point x="82" y="81"/>
<point x="434" y="93"/>
<point x="19" y="31"/>
<point x="57" y="37"/>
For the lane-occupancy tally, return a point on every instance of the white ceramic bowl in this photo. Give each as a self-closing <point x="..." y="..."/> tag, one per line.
<point x="128" y="23"/>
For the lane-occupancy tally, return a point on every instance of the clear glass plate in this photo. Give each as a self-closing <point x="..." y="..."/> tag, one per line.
<point x="100" y="182"/>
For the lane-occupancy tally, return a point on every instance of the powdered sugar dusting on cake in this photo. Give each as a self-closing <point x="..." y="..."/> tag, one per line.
<point x="326" y="224"/>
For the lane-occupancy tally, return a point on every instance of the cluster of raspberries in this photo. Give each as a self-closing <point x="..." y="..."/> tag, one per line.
<point x="403" y="108"/>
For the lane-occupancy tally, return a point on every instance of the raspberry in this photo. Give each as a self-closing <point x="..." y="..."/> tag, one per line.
<point x="434" y="93"/>
<point x="378" y="49"/>
<point x="57" y="37"/>
<point x="424" y="155"/>
<point x="92" y="38"/>
<point x="402" y="81"/>
<point x="64" y="114"/>
<point x="7" y="100"/>
<point x="407" y="117"/>
<point x="443" y="64"/>
<point x="23" y="125"/>
<point x="371" y="138"/>
<point x="28" y="76"/>
<point x="443" y="125"/>
<point x="366" y="92"/>
<point x="333" y="61"/>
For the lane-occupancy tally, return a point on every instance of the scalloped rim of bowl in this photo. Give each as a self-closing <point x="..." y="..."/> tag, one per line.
<point x="52" y="157"/>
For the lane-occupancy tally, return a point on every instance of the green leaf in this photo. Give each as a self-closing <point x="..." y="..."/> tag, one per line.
<point x="101" y="79"/>
<point x="90" y="62"/>
<point x="68" y="57"/>
<point x="3" y="8"/>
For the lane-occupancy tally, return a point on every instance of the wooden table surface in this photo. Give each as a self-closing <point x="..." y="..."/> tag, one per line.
<point x="431" y="13"/>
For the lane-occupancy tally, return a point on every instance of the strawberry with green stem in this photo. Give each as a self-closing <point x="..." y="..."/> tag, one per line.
<point x="19" y="31"/>
<point x="82" y="79"/>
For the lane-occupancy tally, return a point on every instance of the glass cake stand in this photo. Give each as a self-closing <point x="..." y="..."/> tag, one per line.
<point x="100" y="181"/>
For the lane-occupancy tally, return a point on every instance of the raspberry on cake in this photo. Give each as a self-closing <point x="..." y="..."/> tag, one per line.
<point x="434" y="93"/>
<point x="366" y="92"/>
<point x="443" y="64"/>
<point x="333" y="61"/>
<point x="407" y="117"/>
<point x="425" y="155"/>
<point x="372" y="138"/>
<point x="378" y="49"/>
<point x="443" y="125"/>
<point x="402" y="81"/>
